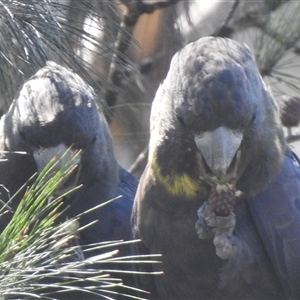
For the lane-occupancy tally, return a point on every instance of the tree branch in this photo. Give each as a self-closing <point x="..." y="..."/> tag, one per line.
<point x="133" y="10"/>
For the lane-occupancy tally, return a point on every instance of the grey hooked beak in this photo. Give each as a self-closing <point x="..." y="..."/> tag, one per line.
<point x="42" y="157"/>
<point x="218" y="148"/>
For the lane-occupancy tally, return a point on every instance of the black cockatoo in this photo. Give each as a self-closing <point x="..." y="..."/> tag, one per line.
<point x="219" y="198"/>
<point x="54" y="110"/>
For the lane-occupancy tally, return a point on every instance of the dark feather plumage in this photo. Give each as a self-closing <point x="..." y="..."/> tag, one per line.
<point x="215" y="127"/>
<point x="54" y="108"/>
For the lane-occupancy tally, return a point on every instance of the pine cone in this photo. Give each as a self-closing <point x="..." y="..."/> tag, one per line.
<point x="290" y="111"/>
<point x="222" y="202"/>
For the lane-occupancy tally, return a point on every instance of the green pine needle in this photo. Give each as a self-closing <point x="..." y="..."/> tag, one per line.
<point x="41" y="259"/>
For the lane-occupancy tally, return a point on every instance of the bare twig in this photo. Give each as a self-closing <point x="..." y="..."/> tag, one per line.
<point x="293" y="138"/>
<point x="225" y="30"/>
<point x="139" y="161"/>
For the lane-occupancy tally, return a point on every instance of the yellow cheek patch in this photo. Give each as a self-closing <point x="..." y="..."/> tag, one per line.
<point x="177" y="185"/>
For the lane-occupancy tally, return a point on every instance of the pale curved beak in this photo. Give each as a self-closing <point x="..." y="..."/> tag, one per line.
<point x="218" y="148"/>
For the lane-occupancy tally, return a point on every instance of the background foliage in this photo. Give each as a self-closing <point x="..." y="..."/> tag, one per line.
<point x="94" y="38"/>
